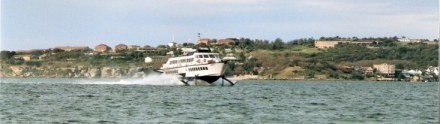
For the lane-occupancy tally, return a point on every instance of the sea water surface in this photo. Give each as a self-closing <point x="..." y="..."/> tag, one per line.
<point x="45" y="100"/>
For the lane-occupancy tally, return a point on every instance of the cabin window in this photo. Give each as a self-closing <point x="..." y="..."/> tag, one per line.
<point x="190" y="60"/>
<point x="200" y="56"/>
<point x="211" y="56"/>
<point x="216" y="56"/>
<point x="182" y="61"/>
<point x="205" y="56"/>
<point x="173" y="62"/>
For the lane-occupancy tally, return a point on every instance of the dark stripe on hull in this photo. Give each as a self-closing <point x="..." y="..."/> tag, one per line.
<point x="209" y="79"/>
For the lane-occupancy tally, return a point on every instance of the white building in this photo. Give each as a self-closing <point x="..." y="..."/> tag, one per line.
<point x="186" y="51"/>
<point x="172" y="44"/>
<point x="385" y="68"/>
<point x="407" y="40"/>
<point x="328" y="44"/>
<point x="170" y="53"/>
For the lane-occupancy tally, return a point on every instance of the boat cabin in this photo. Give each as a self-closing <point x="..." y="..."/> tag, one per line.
<point x="196" y="58"/>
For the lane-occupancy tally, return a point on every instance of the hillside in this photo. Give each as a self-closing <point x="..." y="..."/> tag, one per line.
<point x="270" y="59"/>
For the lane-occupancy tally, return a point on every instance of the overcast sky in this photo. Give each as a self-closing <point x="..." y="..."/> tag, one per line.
<point x="32" y="24"/>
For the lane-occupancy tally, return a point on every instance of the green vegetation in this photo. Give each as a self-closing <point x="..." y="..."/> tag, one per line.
<point x="262" y="57"/>
<point x="273" y="57"/>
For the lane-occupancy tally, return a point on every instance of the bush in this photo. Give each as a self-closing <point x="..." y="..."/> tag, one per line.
<point x="33" y="63"/>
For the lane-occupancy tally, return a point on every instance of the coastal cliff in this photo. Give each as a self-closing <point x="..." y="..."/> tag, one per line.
<point x="72" y="72"/>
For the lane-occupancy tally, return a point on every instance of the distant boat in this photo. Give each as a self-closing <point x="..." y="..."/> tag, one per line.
<point x="195" y="66"/>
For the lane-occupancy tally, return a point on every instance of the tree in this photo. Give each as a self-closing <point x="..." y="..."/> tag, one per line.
<point x="57" y="50"/>
<point x="6" y="55"/>
<point x="400" y="66"/>
<point x="388" y="43"/>
<point x="162" y="46"/>
<point x="239" y="70"/>
<point x="278" y="44"/>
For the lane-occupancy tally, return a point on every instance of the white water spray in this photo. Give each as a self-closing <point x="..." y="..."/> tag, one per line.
<point x="148" y="80"/>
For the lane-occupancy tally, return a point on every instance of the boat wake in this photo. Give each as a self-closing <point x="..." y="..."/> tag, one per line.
<point x="148" y="80"/>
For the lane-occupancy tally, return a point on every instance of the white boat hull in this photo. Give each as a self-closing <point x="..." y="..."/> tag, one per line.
<point x="207" y="72"/>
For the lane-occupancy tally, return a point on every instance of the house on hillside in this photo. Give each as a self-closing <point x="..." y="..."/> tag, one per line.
<point x="102" y="48"/>
<point x="172" y="44"/>
<point x="328" y="44"/>
<point x="186" y="51"/>
<point x="204" y="41"/>
<point x="170" y="53"/>
<point x="147" y="46"/>
<point x="363" y="43"/>
<point x="135" y="48"/>
<point x="120" y="48"/>
<point x="385" y="69"/>
<point x="26" y="57"/>
<point x="368" y="70"/>
<point x="149" y="49"/>
<point x="226" y="42"/>
<point x="408" y="40"/>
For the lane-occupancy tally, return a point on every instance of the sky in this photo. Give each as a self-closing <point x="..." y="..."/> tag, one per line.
<point x="37" y="24"/>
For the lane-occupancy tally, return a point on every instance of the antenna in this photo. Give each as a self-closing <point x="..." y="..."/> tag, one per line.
<point x="199" y="36"/>
<point x="172" y="38"/>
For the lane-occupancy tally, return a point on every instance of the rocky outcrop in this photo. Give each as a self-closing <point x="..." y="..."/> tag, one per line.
<point x="17" y="71"/>
<point x="93" y="73"/>
<point x="106" y="72"/>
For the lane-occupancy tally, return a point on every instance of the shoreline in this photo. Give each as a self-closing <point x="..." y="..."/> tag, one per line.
<point x="123" y="78"/>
